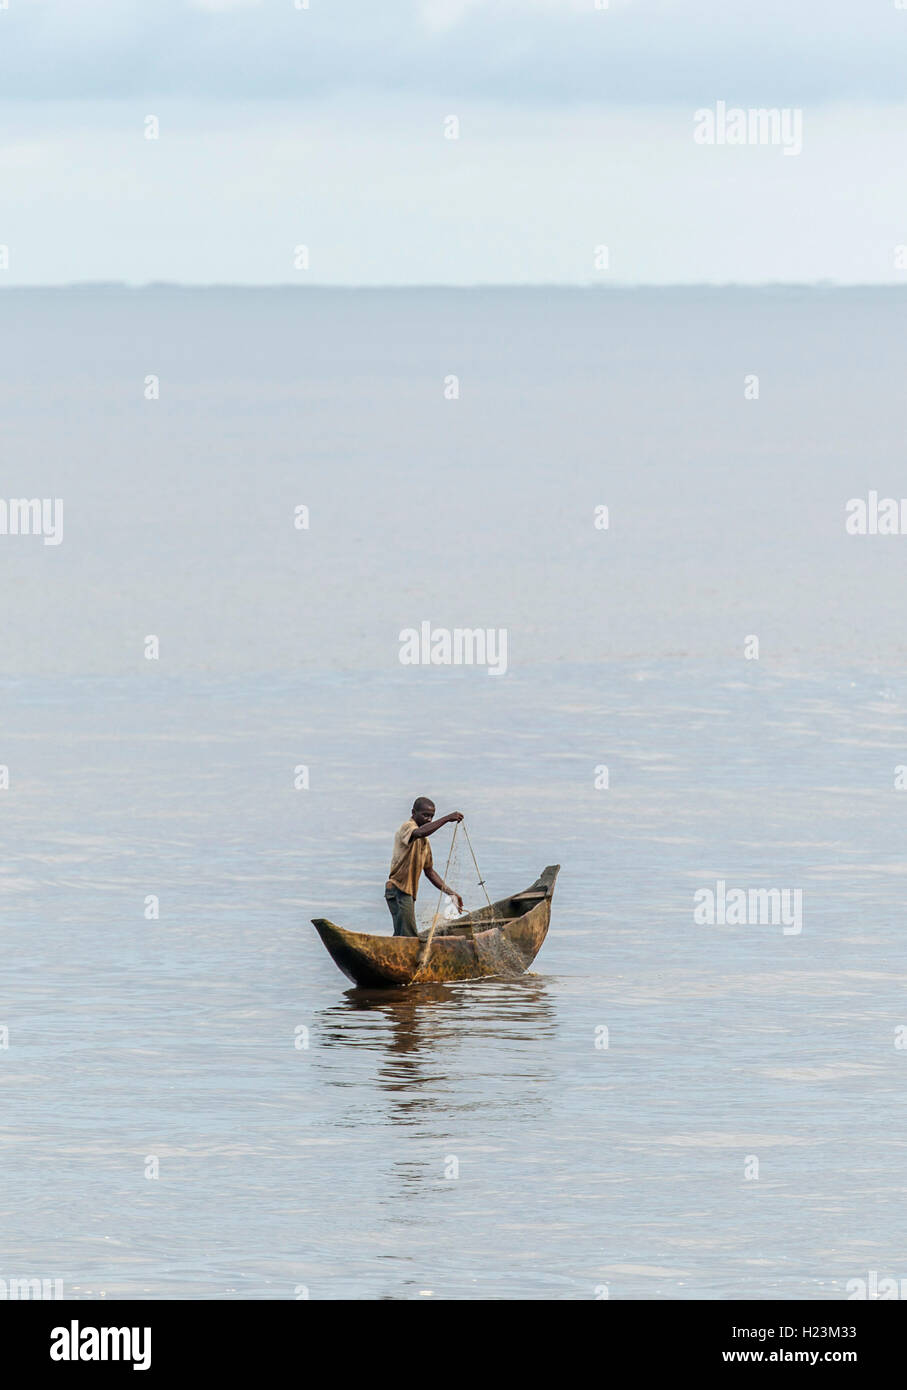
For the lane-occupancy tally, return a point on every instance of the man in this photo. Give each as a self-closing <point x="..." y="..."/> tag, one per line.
<point x="411" y="859"/>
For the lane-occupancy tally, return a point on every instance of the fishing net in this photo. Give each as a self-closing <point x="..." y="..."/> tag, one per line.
<point x="497" y="955"/>
<point x="453" y="862"/>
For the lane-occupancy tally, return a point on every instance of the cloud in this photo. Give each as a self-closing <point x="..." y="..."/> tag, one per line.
<point x="379" y="197"/>
<point x="224" y="4"/>
<point x="438" y="15"/>
<point x="517" y="52"/>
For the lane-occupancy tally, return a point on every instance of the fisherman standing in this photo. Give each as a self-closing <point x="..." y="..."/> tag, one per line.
<point x="411" y="858"/>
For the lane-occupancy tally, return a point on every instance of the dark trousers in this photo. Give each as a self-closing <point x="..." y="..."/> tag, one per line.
<point x="403" y="911"/>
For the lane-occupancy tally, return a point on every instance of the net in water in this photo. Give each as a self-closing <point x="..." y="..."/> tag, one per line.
<point x="497" y="954"/>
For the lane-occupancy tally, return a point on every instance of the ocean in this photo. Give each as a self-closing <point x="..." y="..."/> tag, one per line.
<point x="260" y="491"/>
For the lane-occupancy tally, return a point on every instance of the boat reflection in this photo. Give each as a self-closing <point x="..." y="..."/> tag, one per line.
<point x="428" y="1028"/>
<point x="441" y="1052"/>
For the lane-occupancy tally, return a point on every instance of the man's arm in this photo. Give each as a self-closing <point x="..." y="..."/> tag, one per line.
<point x="442" y="887"/>
<point x="422" y="830"/>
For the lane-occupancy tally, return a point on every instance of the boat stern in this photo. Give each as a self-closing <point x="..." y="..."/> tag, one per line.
<point x="372" y="962"/>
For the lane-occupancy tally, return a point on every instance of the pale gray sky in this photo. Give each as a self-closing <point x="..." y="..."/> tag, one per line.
<point x="325" y="127"/>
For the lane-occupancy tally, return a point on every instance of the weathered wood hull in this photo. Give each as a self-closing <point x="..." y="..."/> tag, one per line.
<point x="465" y="949"/>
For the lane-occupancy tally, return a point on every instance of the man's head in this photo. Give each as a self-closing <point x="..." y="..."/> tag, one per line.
<point x="423" y="810"/>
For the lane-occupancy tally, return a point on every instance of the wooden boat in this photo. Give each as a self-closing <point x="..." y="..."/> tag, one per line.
<point x="503" y="939"/>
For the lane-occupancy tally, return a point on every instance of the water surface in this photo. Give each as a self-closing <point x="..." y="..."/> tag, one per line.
<point x="472" y="1140"/>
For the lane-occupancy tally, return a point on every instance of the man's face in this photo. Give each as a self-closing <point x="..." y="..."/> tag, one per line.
<point x="424" y="814"/>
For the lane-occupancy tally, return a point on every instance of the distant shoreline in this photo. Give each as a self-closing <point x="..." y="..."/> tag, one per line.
<point x="780" y="287"/>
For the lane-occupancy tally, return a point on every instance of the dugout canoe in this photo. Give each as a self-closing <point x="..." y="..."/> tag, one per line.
<point x="503" y="939"/>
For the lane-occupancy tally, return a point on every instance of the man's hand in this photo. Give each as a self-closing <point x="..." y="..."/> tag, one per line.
<point x="437" y="881"/>
<point x="421" y="831"/>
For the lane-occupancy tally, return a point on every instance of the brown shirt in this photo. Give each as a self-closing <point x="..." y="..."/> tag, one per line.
<point x="409" y="859"/>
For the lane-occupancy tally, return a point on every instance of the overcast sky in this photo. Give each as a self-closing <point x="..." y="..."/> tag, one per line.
<point x="283" y="127"/>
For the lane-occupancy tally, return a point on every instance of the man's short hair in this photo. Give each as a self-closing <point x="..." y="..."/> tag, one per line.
<point x="423" y="803"/>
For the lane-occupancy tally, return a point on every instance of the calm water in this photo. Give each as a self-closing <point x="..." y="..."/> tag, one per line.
<point x="330" y="1166"/>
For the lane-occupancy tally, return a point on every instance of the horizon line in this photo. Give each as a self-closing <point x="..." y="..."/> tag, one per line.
<point x="618" y="285"/>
